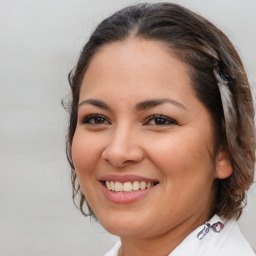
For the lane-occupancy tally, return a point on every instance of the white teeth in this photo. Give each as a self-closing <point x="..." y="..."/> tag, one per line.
<point x="149" y="185"/>
<point x="128" y="186"/>
<point x="143" y="185"/>
<point x="108" y="184"/>
<point x="118" y="186"/>
<point x="112" y="185"/>
<point x="135" y="185"/>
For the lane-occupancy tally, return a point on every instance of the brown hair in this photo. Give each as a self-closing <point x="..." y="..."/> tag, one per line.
<point x="218" y="78"/>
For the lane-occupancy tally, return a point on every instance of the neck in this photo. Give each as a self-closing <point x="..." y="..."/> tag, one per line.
<point x="160" y="245"/>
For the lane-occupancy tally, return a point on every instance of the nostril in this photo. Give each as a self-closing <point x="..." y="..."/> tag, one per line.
<point x="128" y="162"/>
<point x="122" y="148"/>
<point x="119" y="160"/>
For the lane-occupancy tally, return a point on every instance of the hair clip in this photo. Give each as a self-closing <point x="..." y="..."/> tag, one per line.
<point x="222" y="74"/>
<point x="226" y="77"/>
<point x="228" y="105"/>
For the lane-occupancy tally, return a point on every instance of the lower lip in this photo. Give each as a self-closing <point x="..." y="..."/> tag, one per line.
<point x="125" y="197"/>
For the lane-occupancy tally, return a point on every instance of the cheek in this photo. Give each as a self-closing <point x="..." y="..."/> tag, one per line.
<point x="85" y="153"/>
<point x="182" y="156"/>
<point x="188" y="173"/>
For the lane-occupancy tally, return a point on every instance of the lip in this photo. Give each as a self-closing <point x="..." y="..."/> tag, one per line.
<point x="125" y="197"/>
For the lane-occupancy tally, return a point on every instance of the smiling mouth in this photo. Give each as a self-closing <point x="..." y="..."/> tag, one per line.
<point x="128" y="186"/>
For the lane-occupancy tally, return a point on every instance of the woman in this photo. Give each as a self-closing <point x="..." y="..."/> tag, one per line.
<point x="161" y="139"/>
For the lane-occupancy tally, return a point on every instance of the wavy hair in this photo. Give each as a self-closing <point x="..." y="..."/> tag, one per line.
<point x="217" y="75"/>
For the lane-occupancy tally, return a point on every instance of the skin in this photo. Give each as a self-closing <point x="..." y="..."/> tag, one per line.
<point x="178" y="153"/>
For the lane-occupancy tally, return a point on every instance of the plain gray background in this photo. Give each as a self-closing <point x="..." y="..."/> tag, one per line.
<point x="40" y="41"/>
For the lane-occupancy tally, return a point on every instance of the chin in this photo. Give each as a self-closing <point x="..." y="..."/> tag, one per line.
<point x="123" y="226"/>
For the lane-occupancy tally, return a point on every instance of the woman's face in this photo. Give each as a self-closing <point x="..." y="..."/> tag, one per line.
<point x="143" y="146"/>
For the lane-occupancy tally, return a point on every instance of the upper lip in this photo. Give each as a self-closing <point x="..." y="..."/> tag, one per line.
<point x="125" y="178"/>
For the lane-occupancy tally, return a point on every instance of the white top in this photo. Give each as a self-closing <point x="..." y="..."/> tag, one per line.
<point x="211" y="239"/>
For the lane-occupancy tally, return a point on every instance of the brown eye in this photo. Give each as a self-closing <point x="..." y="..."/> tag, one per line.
<point x="95" y="119"/>
<point x="160" y="120"/>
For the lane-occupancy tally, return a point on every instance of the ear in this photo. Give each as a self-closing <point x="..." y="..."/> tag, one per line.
<point x="223" y="165"/>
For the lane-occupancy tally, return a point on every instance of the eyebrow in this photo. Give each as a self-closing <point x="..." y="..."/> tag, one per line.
<point x="139" y="106"/>
<point x="94" y="102"/>
<point x="155" y="102"/>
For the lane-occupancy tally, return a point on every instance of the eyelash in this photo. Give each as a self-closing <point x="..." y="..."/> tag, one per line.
<point x="89" y="118"/>
<point x="164" y="121"/>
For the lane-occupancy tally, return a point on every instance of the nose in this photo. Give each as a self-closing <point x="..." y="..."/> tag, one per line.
<point x="124" y="148"/>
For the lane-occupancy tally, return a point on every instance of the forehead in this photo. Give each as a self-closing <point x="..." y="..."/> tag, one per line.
<point x="144" y="65"/>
